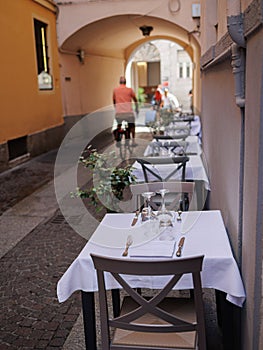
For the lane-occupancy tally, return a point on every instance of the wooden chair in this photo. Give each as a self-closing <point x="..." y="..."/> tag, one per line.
<point x="158" y="137"/>
<point x="159" y="322"/>
<point x="147" y="164"/>
<point x="181" y="195"/>
<point x="176" y="147"/>
<point x="179" y="131"/>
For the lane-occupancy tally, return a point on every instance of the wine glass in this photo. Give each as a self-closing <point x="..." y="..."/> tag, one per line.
<point x="180" y="211"/>
<point x="147" y="211"/>
<point x="165" y="216"/>
<point x="152" y="223"/>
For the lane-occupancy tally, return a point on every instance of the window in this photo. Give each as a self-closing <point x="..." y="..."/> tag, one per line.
<point x="44" y="78"/>
<point x="180" y="70"/>
<point x="188" y="72"/>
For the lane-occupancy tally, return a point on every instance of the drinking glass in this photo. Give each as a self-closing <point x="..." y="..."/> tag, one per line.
<point x="165" y="216"/>
<point x="147" y="211"/>
<point x="152" y="222"/>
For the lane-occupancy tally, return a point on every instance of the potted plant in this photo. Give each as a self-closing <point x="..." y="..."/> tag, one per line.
<point x="110" y="183"/>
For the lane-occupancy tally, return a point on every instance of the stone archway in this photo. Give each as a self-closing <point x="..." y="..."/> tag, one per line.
<point x="96" y="53"/>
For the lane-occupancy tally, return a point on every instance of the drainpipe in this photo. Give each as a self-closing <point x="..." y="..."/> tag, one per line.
<point x="236" y="32"/>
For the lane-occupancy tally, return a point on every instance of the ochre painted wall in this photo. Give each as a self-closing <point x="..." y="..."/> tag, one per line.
<point x="24" y="108"/>
<point x="89" y="86"/>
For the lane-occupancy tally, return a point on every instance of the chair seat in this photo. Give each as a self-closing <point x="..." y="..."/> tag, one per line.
<point x="183" y="308"/>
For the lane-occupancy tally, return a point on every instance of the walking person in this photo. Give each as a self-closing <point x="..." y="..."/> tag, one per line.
<point x="122" y="100"/>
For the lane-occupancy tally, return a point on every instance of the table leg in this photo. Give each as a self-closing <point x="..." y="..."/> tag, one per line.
<point x="88" y="308"/>
<point x="229" y="320"/>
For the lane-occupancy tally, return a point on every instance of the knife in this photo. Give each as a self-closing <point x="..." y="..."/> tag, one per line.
<point x="135" y="219"/>
<point x="180" y="246"/>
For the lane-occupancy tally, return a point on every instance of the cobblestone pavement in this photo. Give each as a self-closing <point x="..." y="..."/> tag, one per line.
<point x="30" y="315"/>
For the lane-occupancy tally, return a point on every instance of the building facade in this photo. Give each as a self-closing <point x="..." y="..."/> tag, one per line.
<point x="232" y="115"/>
<point x="30" y="93"/>
<point x="96" y="39"/>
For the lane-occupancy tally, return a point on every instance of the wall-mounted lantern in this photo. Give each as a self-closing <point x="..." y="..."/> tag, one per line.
<point x="81" y="56"/>
<point x="146" y="30"/>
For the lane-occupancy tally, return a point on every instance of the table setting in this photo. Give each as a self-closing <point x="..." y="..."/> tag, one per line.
<point x="185" y="234"/>
<point x="203" y="232"/>
<point x="164" y="147"/>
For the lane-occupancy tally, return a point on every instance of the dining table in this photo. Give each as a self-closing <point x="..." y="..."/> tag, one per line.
<point x="193" y="122"/>
<point x="204" y="233"/>
<point x="190" y="146"/>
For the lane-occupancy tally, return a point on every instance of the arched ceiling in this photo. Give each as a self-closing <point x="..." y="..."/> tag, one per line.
<point x="147" y="52"/>
<point x="115" y="36"/>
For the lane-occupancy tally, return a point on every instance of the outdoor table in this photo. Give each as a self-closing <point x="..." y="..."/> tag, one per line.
<point x="193" y="121"/>
<point x="204" y="233"/>
<point x="192" y="147"/>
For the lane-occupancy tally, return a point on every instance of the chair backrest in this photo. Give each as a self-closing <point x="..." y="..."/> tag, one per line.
<point x="175" y="269"/>
<point x="181" y="136"/>
<point x="181" y="195"/>
<point x="176" y="147"/>
<point x="147" y="164"/>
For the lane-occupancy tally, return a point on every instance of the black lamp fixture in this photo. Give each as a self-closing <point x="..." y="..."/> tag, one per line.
<point x="146" y="30"/>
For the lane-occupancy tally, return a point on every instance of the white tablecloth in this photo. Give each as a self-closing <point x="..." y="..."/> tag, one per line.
<point x="195" y="126"/>
<point x="191" y="147"/>
<point x="204" y="234"/>
<point x="195" y="170"/>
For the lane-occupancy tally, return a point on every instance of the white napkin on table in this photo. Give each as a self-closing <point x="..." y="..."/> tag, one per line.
<point x="154" y="249"/>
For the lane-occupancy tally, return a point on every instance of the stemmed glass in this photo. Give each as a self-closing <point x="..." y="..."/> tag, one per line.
<point x="165" y="216"/>
<point x="147" y="208"/>
<point x="152" y="227"/>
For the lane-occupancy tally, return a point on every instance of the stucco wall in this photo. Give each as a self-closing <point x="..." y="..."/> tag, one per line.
<point x="88" y="86"/>
<point x="221" y="137"/>
<point x="253" y="194"/>
<point x="24" y="109"/>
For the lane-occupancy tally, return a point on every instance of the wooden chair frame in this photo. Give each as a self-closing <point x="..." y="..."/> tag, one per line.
<point x="175" y="269"/>
<point x="186" y="191"/>
<point x="147" y="162"/>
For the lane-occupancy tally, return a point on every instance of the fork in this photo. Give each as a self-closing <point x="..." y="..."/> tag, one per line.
<point x="128" y="244"/>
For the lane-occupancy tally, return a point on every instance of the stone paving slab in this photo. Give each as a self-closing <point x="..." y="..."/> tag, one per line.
<point x="18" y="221"/>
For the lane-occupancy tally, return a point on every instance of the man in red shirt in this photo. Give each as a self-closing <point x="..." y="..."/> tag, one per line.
<point x="122" y="100"/>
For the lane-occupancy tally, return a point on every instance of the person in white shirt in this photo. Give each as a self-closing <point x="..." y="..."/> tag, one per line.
<point x="169" y="101"/>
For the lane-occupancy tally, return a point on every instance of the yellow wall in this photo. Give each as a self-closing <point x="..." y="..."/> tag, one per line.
<point x="25" y="109"/>
<point x="89" y="86"/>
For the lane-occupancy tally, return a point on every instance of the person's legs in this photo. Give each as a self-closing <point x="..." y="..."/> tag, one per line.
<point x="131" y="126"/>
<point x="118" y="132"/>
<point x="132" y="129"/>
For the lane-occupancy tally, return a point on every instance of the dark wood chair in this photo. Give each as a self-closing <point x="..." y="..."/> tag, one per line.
<point x="148" y="163"/>
<point x="159" y="322"/>
<point x="181" y="195"/>
<point x="175" y="147"/>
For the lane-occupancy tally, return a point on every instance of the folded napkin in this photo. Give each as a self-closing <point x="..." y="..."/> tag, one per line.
<point x="154" y="249"/>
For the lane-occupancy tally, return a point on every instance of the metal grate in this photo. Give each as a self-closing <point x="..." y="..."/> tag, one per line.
<point x="58" y="219"/>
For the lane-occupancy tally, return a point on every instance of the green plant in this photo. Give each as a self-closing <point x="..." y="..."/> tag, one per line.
<point x="109" y="180"/>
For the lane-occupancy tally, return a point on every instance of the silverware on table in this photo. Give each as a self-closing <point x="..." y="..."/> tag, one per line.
<point x="180" y="247"/>
<point x="135" y="219"/>
<point x="128" y="244"/>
